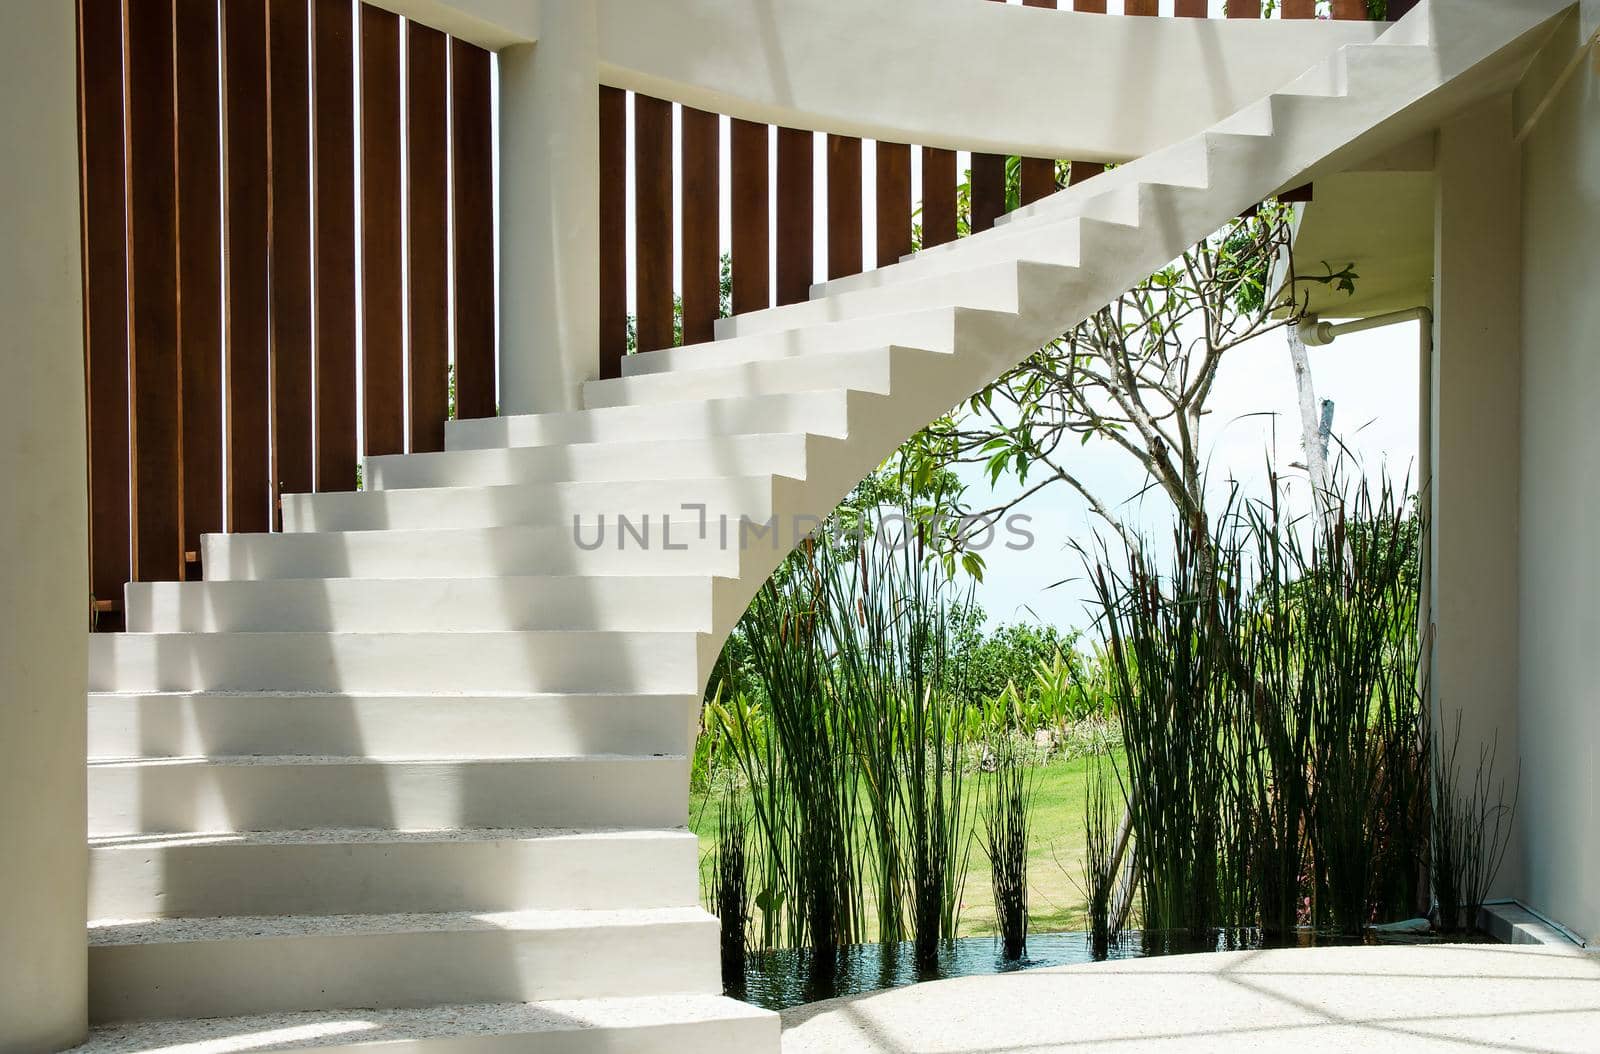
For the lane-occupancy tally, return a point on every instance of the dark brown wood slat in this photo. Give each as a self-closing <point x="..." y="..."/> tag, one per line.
<point x="702" y="219"/>
<point x="1139" y="7"/>
<point x="613" y="230"/>
<point x="844" y="206"/>
<point x="1039" y="3"/>
<point x="472" y="156"/>
<point x="1190" y="8"/>
<point x="1097" y="7"/>
<point x="652" y="221"/>
<point x="752" y="258"/>
<point x="245" y="169"/>
<point x="333" y="105"/>
<point x="1299" y="8"/>
<point x="988" y="190"/>
<point x="1038" y="179"/>
<point x="382" y="297"/>
<point x="1082" y="170"/>
<point x="103" y="192"/>
<point x="796" y="215"/>
<point x="157" y="485"/>
<point x="428" y="173"/>
<point x="199" y="271"/>
<point x="1350" y="10"/>
<point x="894" y="202"/>
<point x="289" y="123"/>
<point x="938" y="196"/>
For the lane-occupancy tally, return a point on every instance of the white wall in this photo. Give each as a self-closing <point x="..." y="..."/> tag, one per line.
<point x="44" y="588"/>
<point x="1560" y="544"/>
<point x="1476" y="447"/>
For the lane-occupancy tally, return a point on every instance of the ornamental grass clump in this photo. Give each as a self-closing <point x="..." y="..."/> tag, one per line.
<point x="1008" y="796"/>
<point x="730" y="891"/>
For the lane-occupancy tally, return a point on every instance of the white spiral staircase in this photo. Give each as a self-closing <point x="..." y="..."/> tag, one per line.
<point x="425" y="752"/>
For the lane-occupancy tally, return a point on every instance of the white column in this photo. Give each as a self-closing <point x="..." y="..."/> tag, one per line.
<point x="44" y="588"/>
<point x="1476" y="446"/>
<point x="550" y="212"/>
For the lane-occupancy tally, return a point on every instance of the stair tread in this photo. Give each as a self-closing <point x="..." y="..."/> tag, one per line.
<point x="117" y="932"/>
<point x="264" y="1033"/>
<point x="264" y="693"/>
<point x="245" y="760"/>
<point x="384" y="836"/>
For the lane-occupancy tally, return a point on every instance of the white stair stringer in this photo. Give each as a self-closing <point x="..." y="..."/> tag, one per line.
<point x="426" y="751"/>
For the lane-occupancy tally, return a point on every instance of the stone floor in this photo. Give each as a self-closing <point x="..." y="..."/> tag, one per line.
<point x="1459" y="998"/>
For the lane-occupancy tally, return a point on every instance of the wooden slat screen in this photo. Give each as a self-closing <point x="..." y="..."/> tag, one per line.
<point x="613" y="190"/>
<point x="844" y="205"/>
<point x="702" y="219"/>
<point x="652" y="205"/>
<point x="221" y="264"/>
<point x="428" y="244"/>
<point x="472" y="179"/>
<point x="244" y="72"/>
<point x="199" y="188"/>
<point x="752" y="288"/>
<point x="333" y="114"/>
<point x="894" y="202"/>
<point x="105" y="299"/>
<point x="289" y="262"/>
<point x="796" y="214"/>
<point x="938" y="196"/>
<point x="153" y="286"/>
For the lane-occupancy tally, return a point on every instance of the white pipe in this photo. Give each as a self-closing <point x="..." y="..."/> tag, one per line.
<point x="1317" y="333"/>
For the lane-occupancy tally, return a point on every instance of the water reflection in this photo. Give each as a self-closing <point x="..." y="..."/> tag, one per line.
<point x="780" y="979"/>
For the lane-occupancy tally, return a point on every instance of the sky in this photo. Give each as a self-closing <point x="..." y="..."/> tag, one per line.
<point x="1372" y="379"/>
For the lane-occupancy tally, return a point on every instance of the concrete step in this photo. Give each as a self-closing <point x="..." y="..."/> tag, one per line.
<point x="989" y="286"/>
<point x="765" y="453"/>
<point x="531" y="661"/>
<point x="387" y="727"/>
<point x="671" y="1024"/>
<point x="228" y="794"/>
<point x="409" y="605"/>
<point x="669" y="547"/>
<point x="450" y="504"/>
<point x="865" y="371"/>
<point x="820" y="413"/>
<point x="930" y="327"/>
<point x="172" y="968"/>
<point x="362" y="872"/>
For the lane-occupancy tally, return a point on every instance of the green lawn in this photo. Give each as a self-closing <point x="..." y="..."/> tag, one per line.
<point x="1055" y="853"/>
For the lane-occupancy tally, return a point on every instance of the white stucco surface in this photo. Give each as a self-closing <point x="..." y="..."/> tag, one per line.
<point x="1560" y="503"/>
<point x="1456" y="998"/>
<point x="44" y="586"/>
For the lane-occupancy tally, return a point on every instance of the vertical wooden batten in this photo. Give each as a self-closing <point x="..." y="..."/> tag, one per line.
<point x="752" y="251"/>
<point x="383" y="299"/>
<point x="288" y="129"/>
<point x="893" y="177"/>
<point x="701" y="162"/>
<point x="796" y="251"/>
<point x="652" y="217"/>
<point x="103" y="190"/>
<point x="428" y="246"/>
<point x="199" y="138"/>
<point x="333" y="115"/>
<point x="472" y="171"/>
<point x="613" y="188"/>
<point x="156" y="378"/>
<point x="844" y="206"/>
<point x="244" y="25"/>
<point x="988" y="190"/>
<point x="938" y="196"/>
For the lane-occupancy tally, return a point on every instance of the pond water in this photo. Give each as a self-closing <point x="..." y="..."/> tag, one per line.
<point x="781" y="979"/>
